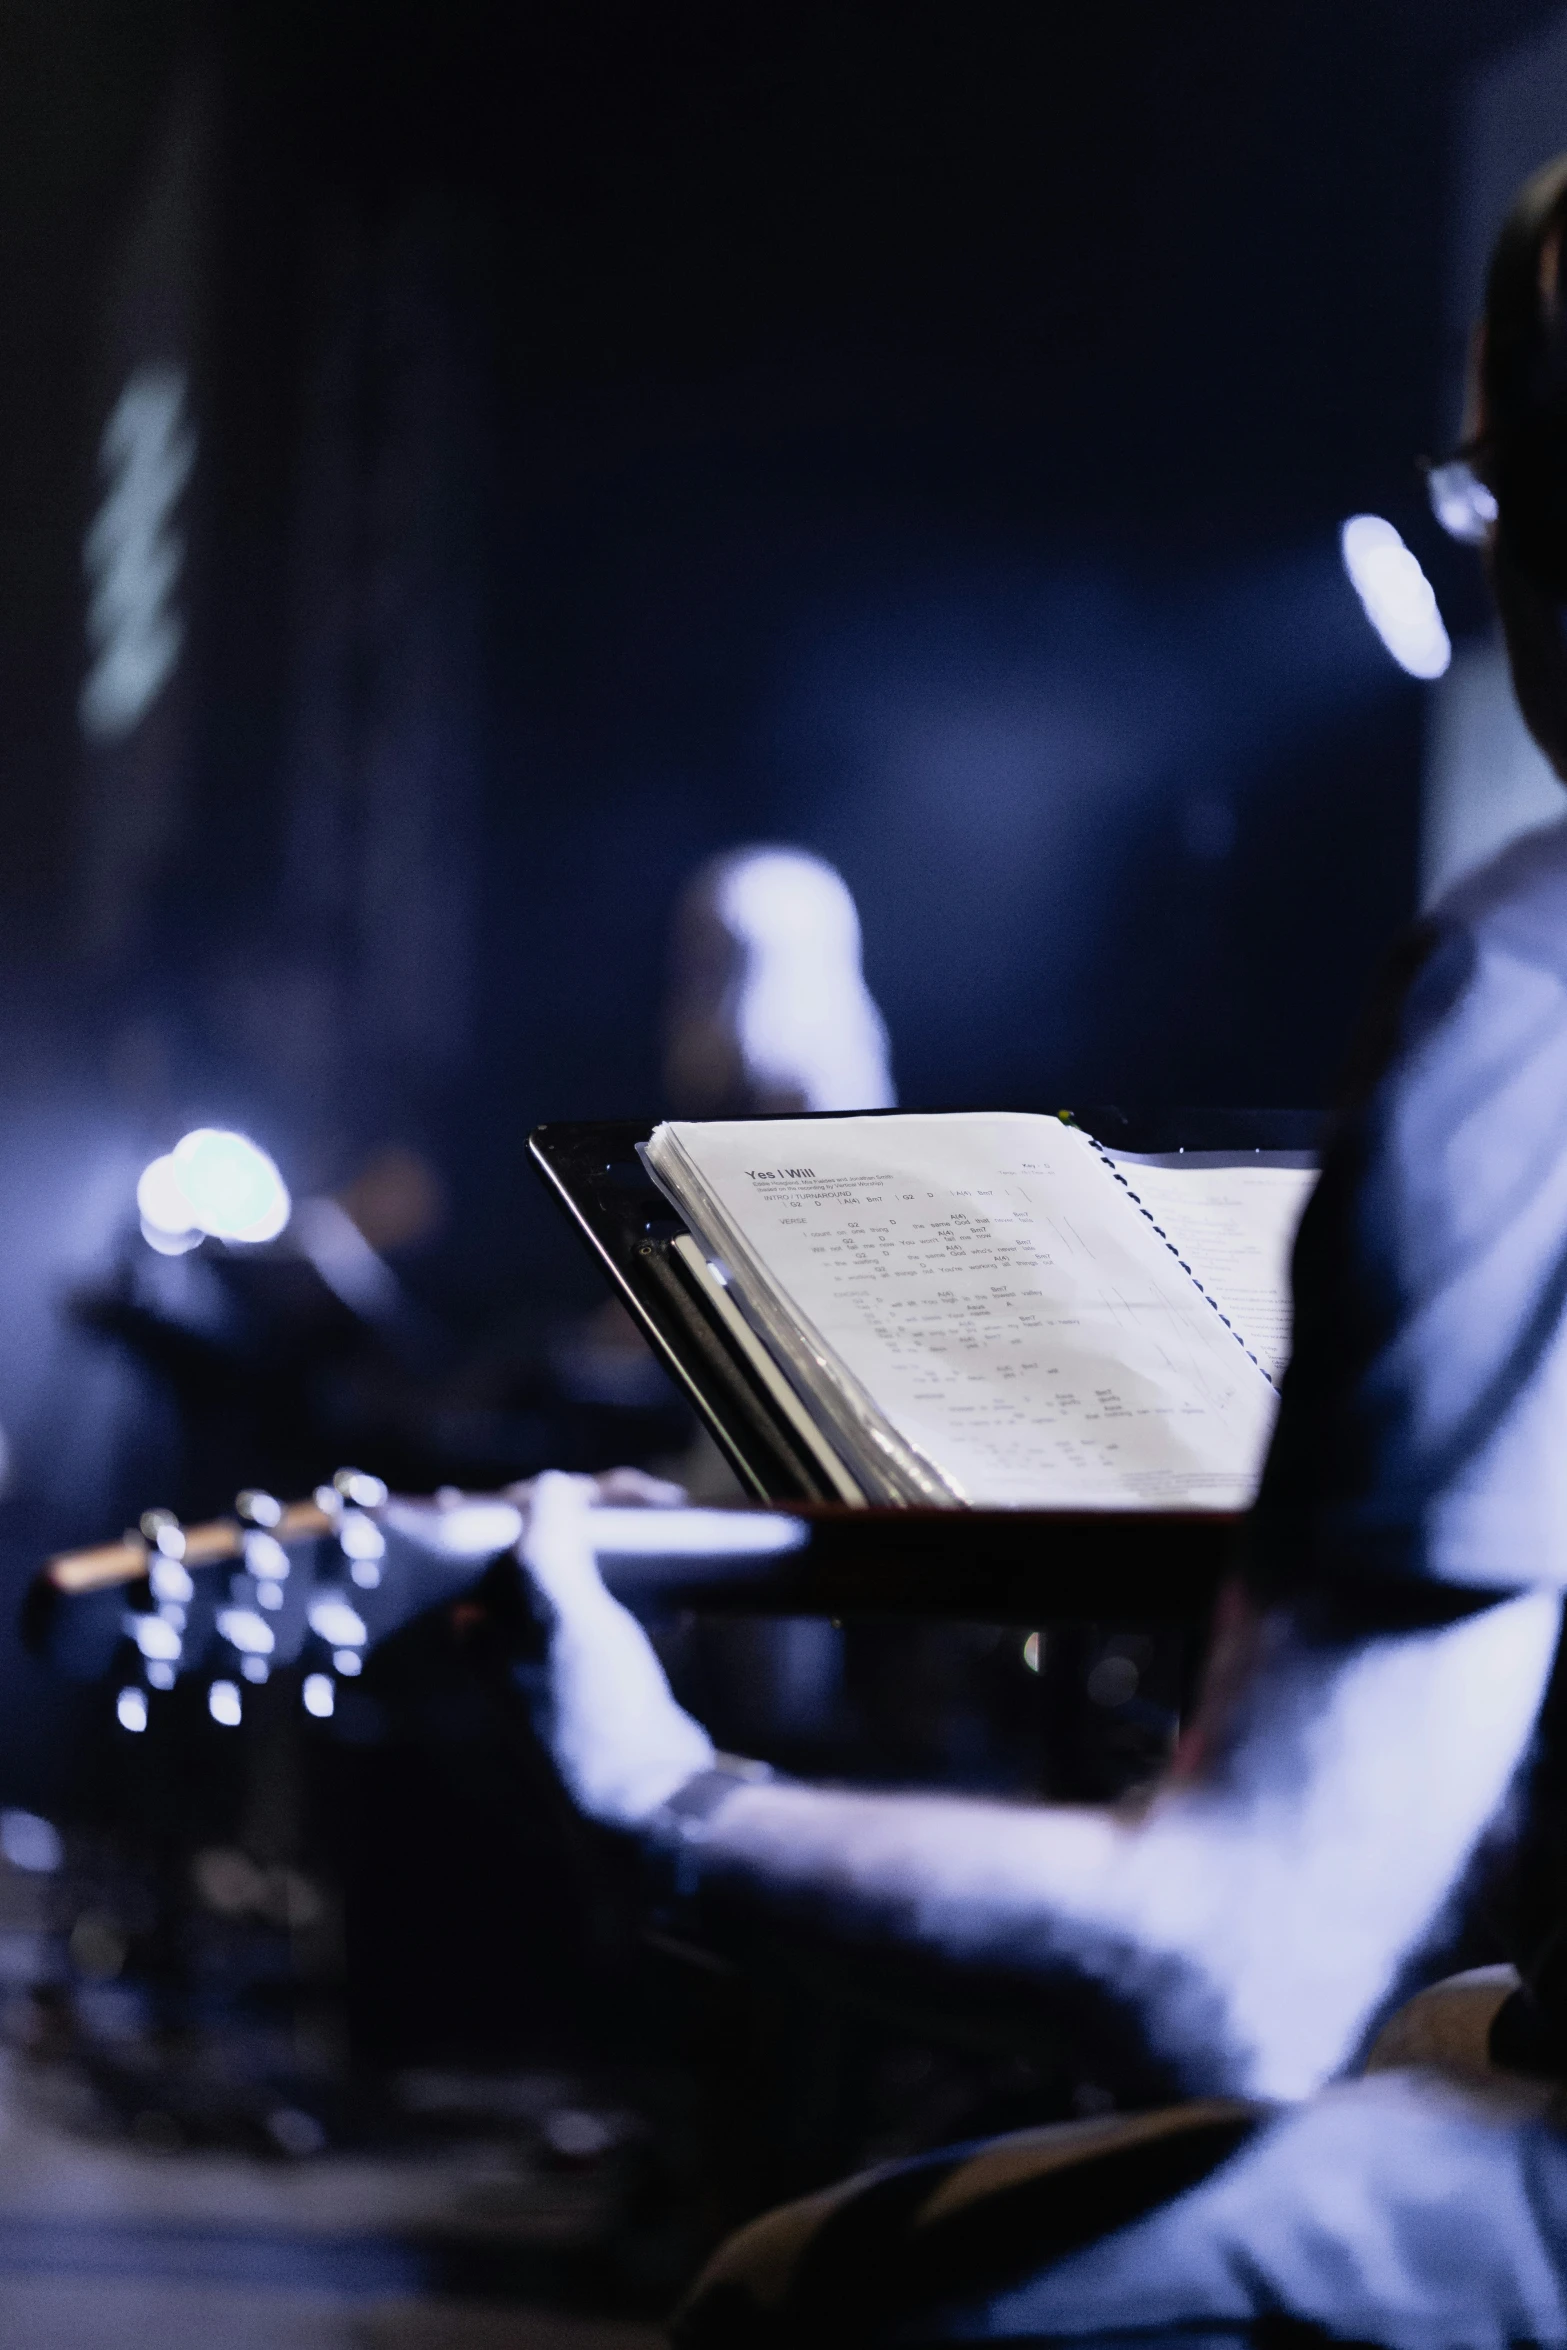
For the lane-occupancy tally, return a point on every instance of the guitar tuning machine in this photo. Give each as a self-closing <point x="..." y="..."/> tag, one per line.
<point x="167" y="1574"/>
<point x="351" y="1493"/>
<point x="349" y="1489"/>
<point x="357" y="1486"/>
<point x="267" y="1564"/>
<point x="266" y="1561"/>
<point x="162" y="1532"/>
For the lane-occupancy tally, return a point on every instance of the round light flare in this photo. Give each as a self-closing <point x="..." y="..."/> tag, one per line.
<point x="215" y="1183"/>
<point x="1396" y="595"/>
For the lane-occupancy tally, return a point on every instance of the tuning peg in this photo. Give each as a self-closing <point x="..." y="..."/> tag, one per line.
<point x="356" y="1485"/>
<point x="171" y="1583"/>
<point x="258" y="1508"/>
<point x="161" y="1530"/>
<point x="268" y="1562"/>
<point x="319" y="1695"/>
<point x="364" y="1546"/>
<point x="225" y="1705"/>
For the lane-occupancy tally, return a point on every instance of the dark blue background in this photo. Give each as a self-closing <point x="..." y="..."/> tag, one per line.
<point x="917" y="431"/>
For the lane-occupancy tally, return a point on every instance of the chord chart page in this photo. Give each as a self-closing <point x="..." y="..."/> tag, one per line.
<point x="979" y="1297"/>
<point x="1233" y="1227"/>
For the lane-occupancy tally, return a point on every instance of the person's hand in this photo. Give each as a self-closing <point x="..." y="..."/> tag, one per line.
<point x="620" y="1742"/>
<point x="472" y="1526"/>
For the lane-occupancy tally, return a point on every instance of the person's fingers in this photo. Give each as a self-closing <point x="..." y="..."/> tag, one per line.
<point x="521" y="1493"/>
<point x="635" y="1489"/>
<point x="556" y="1545"/>
<point x="472" y="1525"/>
<point x="475" y="1526"/>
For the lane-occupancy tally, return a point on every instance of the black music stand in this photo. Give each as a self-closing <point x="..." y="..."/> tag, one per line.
<point x="1003" y="1566"/>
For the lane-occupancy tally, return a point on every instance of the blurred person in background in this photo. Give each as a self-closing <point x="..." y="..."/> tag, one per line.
<point x="1370" y="1703"/>
<point x="769" y="1012"/>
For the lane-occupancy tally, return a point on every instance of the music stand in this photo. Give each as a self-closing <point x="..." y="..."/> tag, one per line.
<point x="1003" y="1566"/>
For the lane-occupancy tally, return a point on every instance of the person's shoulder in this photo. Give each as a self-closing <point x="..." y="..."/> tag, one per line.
<point x="1477" y="994"/>
<point x="1515" y="904"/>
<point x="1453" y="984"/>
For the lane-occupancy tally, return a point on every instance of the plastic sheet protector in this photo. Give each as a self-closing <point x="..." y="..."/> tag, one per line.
<point x="979" y="1309"/>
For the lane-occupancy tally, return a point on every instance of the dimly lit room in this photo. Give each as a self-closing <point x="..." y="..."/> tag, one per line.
<point x="783" y="1136"/>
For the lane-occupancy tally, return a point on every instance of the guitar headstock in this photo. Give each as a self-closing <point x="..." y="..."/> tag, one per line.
<point x="301" y="1588"/>
<point x="306" y="1589"/>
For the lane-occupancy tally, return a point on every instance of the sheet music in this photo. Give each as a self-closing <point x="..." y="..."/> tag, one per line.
<point x="1233" y="1224"/>
<point x="984" y="1306"/>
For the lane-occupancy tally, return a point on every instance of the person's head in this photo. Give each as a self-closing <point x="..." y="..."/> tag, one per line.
<point x="769" y="1009"/>
<point x="1519" y="447"/>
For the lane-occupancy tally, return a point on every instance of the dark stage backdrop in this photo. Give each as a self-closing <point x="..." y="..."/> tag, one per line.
<point x="565" y="441"/>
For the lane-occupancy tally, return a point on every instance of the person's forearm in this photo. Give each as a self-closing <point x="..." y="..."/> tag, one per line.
<point x="947" y="1870"/>
<point x="1255" y="1917"/>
